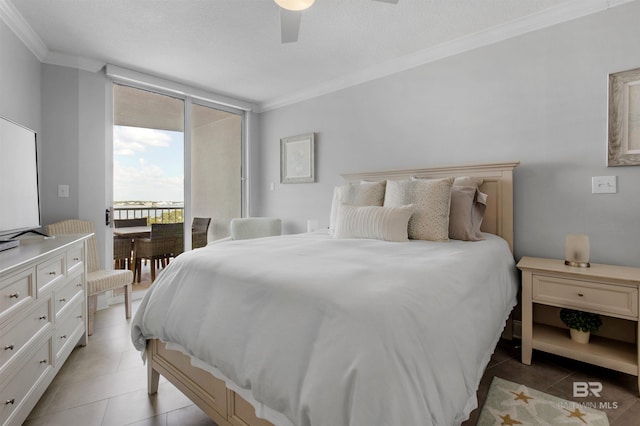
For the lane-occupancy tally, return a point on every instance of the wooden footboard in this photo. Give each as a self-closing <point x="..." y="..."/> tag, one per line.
<point x="223" y="405"/>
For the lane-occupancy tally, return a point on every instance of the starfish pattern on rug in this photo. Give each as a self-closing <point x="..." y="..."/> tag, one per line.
<point x="522" y="397"/>
<point x="508" y="421"/>
<point x="577" y="413"/>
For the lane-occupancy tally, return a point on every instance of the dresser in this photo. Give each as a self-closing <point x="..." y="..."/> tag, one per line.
<point x="43" y="317"/>
<point x="610" y="291"/>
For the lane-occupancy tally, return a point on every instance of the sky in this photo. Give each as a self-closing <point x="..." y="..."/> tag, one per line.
<point x="148" y="164"/>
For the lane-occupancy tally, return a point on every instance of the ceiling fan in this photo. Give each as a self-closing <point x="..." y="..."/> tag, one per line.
<point x="291" y="13"/>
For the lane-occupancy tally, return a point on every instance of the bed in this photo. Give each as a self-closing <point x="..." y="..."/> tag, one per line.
<point x="309" y="329"/>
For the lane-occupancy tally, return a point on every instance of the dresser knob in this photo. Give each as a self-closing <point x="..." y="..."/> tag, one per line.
<point x="79" y="285"/>
<point x="10" y="401"/>
<point x="43" y="361"/>
<point x="8" y="348"/>
<point x="79" y="316"/>
<point x="75" y="259"/>
<point x="43" y="317"/>
<point x="62" y="300"/>
<point x="52" y="273"/>
<point x="64" y="336"/>
<point x="14" y="295"/>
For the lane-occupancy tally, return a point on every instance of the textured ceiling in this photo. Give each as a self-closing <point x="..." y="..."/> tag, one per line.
<point x="232" y="47"/>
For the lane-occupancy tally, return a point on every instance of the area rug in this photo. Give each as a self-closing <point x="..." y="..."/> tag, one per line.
<point x="509" y="404"/>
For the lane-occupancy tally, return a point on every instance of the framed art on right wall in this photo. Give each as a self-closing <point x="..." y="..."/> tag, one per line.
<point x="624" y="118"/>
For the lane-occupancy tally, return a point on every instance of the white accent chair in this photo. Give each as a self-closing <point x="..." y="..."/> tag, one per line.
<point x="252" y="227"/>
<point x="98" y="281"/>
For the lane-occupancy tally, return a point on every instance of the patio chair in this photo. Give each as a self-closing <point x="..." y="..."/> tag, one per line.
<point x="98" y="280"/>
<point x="122" y="251"/>
<point x="166" y="241"/>
<point x="199" y="230"/>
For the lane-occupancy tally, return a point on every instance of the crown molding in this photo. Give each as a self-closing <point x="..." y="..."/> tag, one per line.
<point x="556" y="15"/>
<point x="562" y="13"/>
<point x="71" y="61"/>
<point x="16" y="23"/>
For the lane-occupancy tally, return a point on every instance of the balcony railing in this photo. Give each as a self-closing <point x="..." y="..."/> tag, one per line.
<point x="153" y="214"/>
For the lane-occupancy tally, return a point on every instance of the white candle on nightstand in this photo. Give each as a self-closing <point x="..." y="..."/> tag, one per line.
<point x="577" y="250"/>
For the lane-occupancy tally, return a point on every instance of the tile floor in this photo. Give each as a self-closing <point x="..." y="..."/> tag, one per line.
<point x="104" y="383"/>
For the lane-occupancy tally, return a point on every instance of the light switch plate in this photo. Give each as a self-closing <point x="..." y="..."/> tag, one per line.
<point x="603" y="185"/>
<point x="63" y="191"/>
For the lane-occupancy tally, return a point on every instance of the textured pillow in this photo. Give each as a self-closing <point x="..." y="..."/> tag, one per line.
<point x="373" y="222"/>
<point x="359" y="194"/>
<point x="431" y="198"/>
<point x="465" y="214"/>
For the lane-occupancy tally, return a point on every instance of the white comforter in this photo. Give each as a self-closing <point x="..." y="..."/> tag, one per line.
<point x="339" y="332"/>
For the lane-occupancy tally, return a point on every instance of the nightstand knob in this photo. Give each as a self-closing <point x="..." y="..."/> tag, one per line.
<point x="580" y="294"/>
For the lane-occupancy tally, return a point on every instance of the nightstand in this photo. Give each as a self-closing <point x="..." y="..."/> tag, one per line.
<point x="611" y="291"/>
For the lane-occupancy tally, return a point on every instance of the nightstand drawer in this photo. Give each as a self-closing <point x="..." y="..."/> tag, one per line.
<point x="613" y="300"/>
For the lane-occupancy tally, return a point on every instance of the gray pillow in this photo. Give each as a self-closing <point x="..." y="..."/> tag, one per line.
<point x="466" y="213"/>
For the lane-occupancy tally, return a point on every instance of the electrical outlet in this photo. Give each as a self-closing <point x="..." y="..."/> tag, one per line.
<point x="63" y="191"/>
<point x="603" y="185"/>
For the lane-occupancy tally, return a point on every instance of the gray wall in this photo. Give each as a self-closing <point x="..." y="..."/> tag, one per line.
<point x="75" y="147"/>
<point x="19" y="81"/>
<point x="540" y="98"/>
<point x="60" y="150"/>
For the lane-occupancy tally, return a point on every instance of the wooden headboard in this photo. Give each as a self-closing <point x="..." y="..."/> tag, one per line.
<point x="498" y="185"/>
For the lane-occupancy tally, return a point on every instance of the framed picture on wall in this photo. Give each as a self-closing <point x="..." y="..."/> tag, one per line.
<point x="297" y="159"/>
<point x="624" y="118"/>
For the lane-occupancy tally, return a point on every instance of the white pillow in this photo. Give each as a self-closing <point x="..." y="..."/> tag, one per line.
<point x="373" y="222"/>
<point x="358" y="194"/>
<point x="431" y="198"/>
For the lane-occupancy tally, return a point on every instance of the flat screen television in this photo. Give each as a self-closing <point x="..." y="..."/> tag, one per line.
<point x="19" y="195"/>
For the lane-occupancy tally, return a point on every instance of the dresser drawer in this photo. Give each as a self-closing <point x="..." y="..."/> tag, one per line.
<point x="13" y="339"/>
<point x="68" y="328"/>
<point x="75" y="258"/>
<point x="17" y="388"/>
<point x="65" y="295"/>
<point x="49" y="273"/>
<point x="613" y="300"/>
<point x="16" y="292"/>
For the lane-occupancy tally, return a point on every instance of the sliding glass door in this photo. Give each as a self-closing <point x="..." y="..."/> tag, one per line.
<point x="148" y="156"/>
<point x="175" y="159"/>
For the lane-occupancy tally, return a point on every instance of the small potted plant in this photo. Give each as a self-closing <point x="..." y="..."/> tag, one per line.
<point x="580" y="324"/>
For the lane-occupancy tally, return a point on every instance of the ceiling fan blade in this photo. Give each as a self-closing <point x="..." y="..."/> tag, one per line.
<point x="389" y="1"/>
<point x="289" y="25"/>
